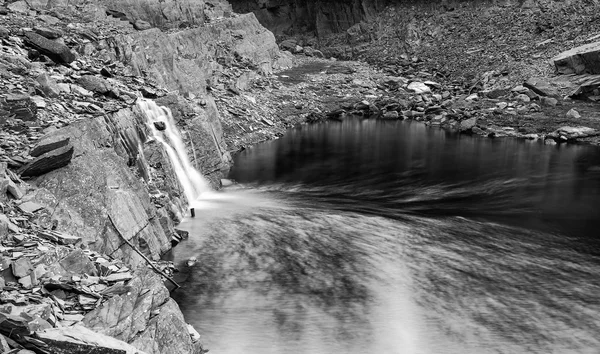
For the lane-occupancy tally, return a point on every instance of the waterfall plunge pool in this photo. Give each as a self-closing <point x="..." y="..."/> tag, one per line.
<point x="391" y="237"/>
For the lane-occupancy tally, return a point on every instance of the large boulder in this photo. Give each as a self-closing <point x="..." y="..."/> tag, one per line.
<point x="55" y="50"/>
<point x="579" y="60"/>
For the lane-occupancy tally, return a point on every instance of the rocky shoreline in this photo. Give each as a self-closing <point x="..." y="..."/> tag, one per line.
<point x="89" y="201"/>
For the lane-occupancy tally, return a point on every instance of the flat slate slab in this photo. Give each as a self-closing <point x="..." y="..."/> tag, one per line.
<point x="579" y="60"/>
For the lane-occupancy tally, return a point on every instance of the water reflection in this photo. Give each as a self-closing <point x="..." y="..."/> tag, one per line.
<point x="386" y="237"/>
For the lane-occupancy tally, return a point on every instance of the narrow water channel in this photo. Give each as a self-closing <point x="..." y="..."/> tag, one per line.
<point x="368" y="236"/>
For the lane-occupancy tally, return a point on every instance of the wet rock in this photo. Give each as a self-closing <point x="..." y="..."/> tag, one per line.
<point x="141" y="25"/>
<point x="226" y="182"/>
<point x="48" y="162"/>
<point x="160" y="126"/>
<point x="50" y="33"/>
<point x="391" y="115"/>
<point x="95" y="84"/>
<point x="579" y="60"/>
<point x="55" y="50"/>
<point x="572" y="133"/>
<point x="467" y="125"/>
<point x="572" y="113"/>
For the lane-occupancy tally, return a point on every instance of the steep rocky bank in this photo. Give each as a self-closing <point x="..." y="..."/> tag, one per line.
<point x="89" y="200"/>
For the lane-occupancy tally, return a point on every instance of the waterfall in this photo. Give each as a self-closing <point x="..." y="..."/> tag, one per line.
<point x="191" y="180"/>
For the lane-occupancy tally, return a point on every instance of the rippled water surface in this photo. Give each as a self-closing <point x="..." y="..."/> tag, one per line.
<point x="369" y="236"/>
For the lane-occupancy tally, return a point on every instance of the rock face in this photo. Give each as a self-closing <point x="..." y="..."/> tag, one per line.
<point x="159" y="13"/>
<point x="579" y="60"/>
<point x="185" y="60"/>
<point x="96" y="197"/>
<point x="320" y="17"/>
<point x="145" y="316"/>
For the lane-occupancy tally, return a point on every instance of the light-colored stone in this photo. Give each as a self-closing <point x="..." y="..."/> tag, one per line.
<point x="572" y="113"/>
<point x="418" y="87"/>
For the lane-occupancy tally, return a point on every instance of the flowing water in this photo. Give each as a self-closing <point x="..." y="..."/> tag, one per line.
<point x="368" y="236"/>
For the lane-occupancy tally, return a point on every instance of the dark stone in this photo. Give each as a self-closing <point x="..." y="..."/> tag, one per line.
<point x="94" y="84"/>
<point x="49" y="33"/>
<point x="48" y="144"/>
<point x="117" y="14"/>
<point x="160" y="126"/>
<point x="105" y="72"/>
<point x="497" y="93"/>
<point x="148" y="92"/>
<point x="48" y="162"/>
<point x="55" y="50"/>
<point x="4" y="33"/>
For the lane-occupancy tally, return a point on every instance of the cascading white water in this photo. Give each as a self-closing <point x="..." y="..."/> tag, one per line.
<point x="191" y="180"/>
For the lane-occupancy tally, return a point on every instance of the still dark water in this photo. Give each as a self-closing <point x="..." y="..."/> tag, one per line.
<point x="368" y="236"/>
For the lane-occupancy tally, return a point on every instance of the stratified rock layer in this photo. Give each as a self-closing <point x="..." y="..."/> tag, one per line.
<point x="580" y="60"/>
<point x="144" y="316"/>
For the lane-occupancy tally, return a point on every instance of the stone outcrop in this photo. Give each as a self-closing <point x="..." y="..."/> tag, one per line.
<point x="97" y="198"/>
<point x="144" y="316"/>
<point x="584" y="59"/>
<point x="186" y="60"/>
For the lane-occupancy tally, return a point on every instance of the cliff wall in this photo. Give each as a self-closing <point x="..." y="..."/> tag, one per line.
<point x="99" y="182"/>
